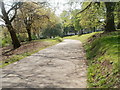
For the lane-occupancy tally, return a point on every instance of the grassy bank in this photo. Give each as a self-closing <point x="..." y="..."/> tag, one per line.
<point x="102" y="55"/>
<point x="104" y="67"/>
<point x="27" y="49"/>
<point x="83" y="38"/>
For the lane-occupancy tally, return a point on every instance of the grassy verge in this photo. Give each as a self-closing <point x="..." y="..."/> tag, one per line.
<point x="102" y="55"/>
<point x="104" y="67"/>
<point x="17" y="57"/>
<point x="83" y="38"/>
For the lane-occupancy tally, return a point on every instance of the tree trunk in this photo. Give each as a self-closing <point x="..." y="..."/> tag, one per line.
<point x="14" y="38"/>
<point x="29" y="34"/>
<point x="81" y="32"/>
<point x="118" y="16"/>
<point x="75" y="32"/>
<point x="94" y="29"/>
<point x="118" y="26"/>
<point x="8" y="24"/>
<point x="110" y="25"/>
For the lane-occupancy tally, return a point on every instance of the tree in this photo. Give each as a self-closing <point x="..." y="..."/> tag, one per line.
<point x="27" y="11"/>
<point x="110" y="25"/>
<point x="8" y="18"/>
<point x="110" y="6"/>
<point x="117" y="9"/>
<point x="67" y="21"/>
<point x="54" y="26"/>
<point x="76" y="21"/>
<point x="52" y="32"/>
<point x="30" y="12"/>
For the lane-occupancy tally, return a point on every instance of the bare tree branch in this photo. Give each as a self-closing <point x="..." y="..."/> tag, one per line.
<point x="85" y="8"/>
<point x="44" y="16"/>
<point x="13" y="7"/>
<point x="1" y="16"/>
<point x="13" y="15"/>
<point x="3" y="11"/>
<point x="1" y="20"/>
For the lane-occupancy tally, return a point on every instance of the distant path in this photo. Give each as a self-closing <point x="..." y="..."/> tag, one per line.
<point x="60" y="66"/>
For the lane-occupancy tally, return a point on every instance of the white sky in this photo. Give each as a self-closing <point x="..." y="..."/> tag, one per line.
<point x="57" y="5"/>
<point x="61" y="5"/>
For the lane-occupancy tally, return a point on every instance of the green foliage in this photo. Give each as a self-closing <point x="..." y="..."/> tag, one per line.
<point x="22" y="37"/>
<point x="117" y="15"/>
<point x="52" y="32"/>
<point x="92" y="17"/>
<point x="59" y="39"/>
<point x="34" y="37"/>
<point x="68" y="23"/>
<point x="76" y="20"/>
<point x="5" y="36"/>
<point x="6" y="41"/>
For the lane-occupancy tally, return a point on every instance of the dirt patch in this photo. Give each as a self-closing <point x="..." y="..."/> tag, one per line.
<point x="106" y="66"/>
<point x="91" y="39"/>
<point x="8" y="52"/>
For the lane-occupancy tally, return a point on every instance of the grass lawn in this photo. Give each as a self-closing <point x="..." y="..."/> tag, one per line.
<point x="102" y="55"/>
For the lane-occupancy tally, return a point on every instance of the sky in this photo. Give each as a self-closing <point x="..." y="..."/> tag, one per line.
<point x="61" y="5"/>
<point x="57" y="5"/>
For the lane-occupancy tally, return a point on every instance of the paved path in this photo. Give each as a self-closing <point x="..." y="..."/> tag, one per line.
<point x="60" y="66"/>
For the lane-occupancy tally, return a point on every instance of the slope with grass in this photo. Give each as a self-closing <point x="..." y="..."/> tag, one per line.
<point x="104" y="67"/>
<point x="102" y="55"/>
<point x="83" y="38"/>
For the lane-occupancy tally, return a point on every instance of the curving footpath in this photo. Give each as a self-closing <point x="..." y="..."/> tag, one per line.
<point x="60" y="66"/>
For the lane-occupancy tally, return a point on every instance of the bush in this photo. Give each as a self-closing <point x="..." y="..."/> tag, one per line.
<point x="59" y="39"/>
<point x="52" y="32"/>
<point x="6" y="41"/>
<point x="22" y="37"/>
<point x="34" y="37"/>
